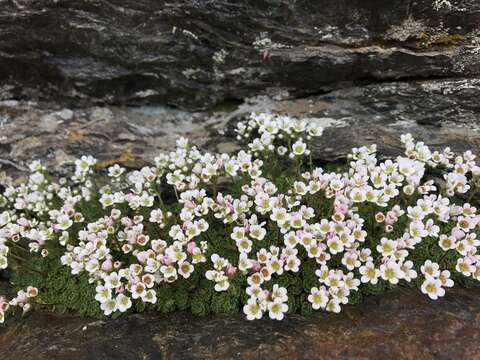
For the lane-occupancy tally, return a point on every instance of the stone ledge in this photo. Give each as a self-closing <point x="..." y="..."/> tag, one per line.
<point x="401" y="324"/>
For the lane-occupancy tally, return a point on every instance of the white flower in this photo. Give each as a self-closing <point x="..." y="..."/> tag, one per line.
<point x="92" y="265"/>
<point x="156" y="216"/>
<point x="109" y="306"/>
<point x="350" y="260"/>
<point x="408" y="272"/>
<point x="276" y="310"/>
<point x="464" y="266"/>
<point x="257" y="232"/>
<point x="299" y="147"/>
<point x="333" y="306"/>
<point x="253" y="310"/>
<point x="169" y="273"/>
<point x="3" y="262"/>
<point x="433" y="288"/>
<point x="149" y="296"/>
<point x="318" y="297"/>
<point x="279" y="215"/>
<point x="244" y="245"/>
<point x="335" y="245"/>
<point x="391" y="272"/>
<point x="222" y="285"/>
<point x="279" y="294"/>
<point x="275" y="265"/>
<point x="447" y="242"/>
<point x="123" y="303"/>
<point x="292" y="263"/>
<point x="138" y="290"/>
<point x="103" y="294"/>
<point x="430" y="268"/>
<point x="387" y="247"/>
<point x="84" y="163"/>
<point x="64" y="222"/>
<point x="107" y="200"/>
<point x="112" y="281"/>
<point x="115" y="171"/>
<point x="445" y="278"/>
<point x="185" y="269"/>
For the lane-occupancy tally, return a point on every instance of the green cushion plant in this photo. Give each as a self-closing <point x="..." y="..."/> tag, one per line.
<point x="263" y="231"/>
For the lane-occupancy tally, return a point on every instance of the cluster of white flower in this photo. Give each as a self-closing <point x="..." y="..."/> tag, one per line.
<point x="280" y="134"/>
<point x="358" y="227"/>
<point x="22" y="300"/>
<point x="4" y="249"/>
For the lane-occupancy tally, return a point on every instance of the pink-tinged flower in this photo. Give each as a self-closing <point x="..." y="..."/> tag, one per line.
<point x="142" y="256"/>
<point x="167" y="261"/>
<point x="191" y="247"/>
<point x="23" y="222"/>
<point x="231" y="271"/>
<point x="341" y="208"/>
<point x="230" y="207"/>
<point x="247" y="227"/>
<point x="127" y="222"/>
<point x="256" y="266"/>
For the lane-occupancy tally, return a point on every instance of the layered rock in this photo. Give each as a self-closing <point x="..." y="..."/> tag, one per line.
<point x="195" y="54"/>
<point x="402" y="324"/>
<point x="440" y="112"/>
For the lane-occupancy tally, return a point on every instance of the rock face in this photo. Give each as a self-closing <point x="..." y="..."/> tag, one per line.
<point x="122" y="79"/>
<point x="402" y="324"/>
<point x="440" y="112"/>
<point x="194" y="54"/>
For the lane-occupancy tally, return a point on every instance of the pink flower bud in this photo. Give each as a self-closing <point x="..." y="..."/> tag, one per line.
<point x="457" y="233"/>
<point x="231" y="271"/>
<point x="107" y="265"/>
<point x="191" y="247"/>
<point x="230" y="207"/>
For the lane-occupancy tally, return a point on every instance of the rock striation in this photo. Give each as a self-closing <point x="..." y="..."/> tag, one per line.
<point x="194" y="54"/>
<point x="440" y="112"/>
<point x="402" y="324"/>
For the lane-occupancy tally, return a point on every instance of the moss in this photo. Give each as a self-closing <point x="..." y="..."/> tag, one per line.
<point x="442" y="39"/>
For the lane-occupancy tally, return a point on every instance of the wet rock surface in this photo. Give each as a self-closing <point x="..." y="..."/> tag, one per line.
<point x="194" y="54"/>
<point x="402" y="324"/>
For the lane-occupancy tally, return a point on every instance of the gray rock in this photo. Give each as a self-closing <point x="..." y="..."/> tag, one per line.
<point x="440" y="112"/>
<point x="196" y="54"/>
<point x="402" y="324"/>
